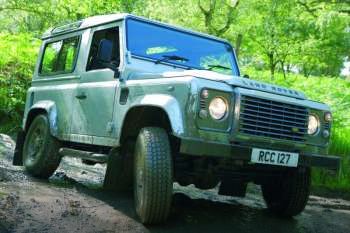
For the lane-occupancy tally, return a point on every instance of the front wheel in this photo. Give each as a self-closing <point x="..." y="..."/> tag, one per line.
<point x="288" y="195"/>
<point x="153" y="175"/>
<point x="40" y="150"/>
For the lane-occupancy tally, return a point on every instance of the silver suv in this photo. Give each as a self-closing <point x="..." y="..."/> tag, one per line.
<point x="163" y="104"/>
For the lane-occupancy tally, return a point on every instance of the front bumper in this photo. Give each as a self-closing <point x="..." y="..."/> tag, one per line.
<point x="238" y="152"/>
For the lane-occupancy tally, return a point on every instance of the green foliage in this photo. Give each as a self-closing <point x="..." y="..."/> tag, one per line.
<point x="18" y="56"/>
<point x="339" y="146"/>
<point x="281" y="35"/>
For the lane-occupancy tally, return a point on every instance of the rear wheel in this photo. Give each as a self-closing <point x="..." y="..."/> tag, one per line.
<point x="153" y="175"/>
<point x="40" y="150"/>
<point x="288" y="195"/>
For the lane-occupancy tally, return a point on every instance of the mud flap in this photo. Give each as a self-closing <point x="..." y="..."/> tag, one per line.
<point x="17" y="158"/>
<point x="119" y="174"/>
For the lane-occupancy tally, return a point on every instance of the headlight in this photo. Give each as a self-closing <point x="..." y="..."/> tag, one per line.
<point x="218" y="108"/>
<point x="314" y="125"/>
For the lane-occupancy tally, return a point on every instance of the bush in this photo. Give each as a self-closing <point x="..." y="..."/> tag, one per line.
<point x="18" y="54"/>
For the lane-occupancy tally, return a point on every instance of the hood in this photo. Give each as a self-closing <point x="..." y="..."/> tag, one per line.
<point x="238" y="82"/>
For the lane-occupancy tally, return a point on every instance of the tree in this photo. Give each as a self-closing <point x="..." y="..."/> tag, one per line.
<point x="272" y="33"/>
<point x="313" y="6"/>
<point x="209" y="15"/>
<point x="219" y="21"/>
<point x="305" y="35"/>
<point x="39" y="15"/>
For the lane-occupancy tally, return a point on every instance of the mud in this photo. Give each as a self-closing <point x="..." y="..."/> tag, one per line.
<point x="73" y="200"/>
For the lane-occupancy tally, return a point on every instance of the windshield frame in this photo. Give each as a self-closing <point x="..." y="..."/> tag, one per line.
<point x="235" y="67"/>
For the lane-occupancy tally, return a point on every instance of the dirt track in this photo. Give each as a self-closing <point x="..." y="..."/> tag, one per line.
<point x="73" y="201"/>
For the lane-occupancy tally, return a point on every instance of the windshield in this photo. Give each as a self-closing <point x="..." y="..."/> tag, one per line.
<point x="163" y="44"/>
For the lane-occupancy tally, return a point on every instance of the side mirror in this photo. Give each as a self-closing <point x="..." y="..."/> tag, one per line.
<point x="104" y="52"/>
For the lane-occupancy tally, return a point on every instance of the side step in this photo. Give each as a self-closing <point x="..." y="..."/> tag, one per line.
<point x="87" y="155"/>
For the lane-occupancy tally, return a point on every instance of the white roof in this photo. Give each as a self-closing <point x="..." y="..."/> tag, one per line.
<point x="85" y="23"/>
<point x="103" y="19"/>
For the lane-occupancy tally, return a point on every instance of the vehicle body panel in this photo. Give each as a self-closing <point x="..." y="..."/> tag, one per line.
<point x="98" y="118"/>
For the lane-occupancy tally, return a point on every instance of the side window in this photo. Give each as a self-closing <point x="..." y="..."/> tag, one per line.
<point x="111" y="34"/>
<point x="60" y="56"/>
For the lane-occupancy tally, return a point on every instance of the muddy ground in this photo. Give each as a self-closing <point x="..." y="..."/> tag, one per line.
<point x="73" y="201"/>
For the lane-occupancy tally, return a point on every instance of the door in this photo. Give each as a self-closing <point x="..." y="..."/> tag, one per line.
<point x="96" y="92"/>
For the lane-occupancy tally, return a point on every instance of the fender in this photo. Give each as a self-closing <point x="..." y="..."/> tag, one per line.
<point x="165" y="102"/>
<point x="50" y="108"/>
<point x="170" y="105"/>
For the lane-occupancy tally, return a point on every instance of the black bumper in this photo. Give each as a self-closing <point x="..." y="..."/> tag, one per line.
<point x="243" y="153"/>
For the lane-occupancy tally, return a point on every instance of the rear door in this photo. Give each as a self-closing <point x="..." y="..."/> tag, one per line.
<point x="96" y="92"/>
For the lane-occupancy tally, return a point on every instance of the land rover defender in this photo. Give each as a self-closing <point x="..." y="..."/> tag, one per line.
<point x="162" y="104"/>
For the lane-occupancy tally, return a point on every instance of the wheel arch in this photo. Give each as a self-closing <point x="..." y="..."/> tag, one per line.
<point x="43" y="107"/>
<point x="158" y="110"/>
<point x="141" y="116"/>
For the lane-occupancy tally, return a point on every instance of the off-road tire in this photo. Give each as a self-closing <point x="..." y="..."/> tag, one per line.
<point x="40" y="150"/>
<point x="153" y="175"/>
<point x="119" y="173"/>
<point x="288" y="195"/>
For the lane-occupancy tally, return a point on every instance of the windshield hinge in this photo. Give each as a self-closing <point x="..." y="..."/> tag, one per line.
<point x="128" y="57"/>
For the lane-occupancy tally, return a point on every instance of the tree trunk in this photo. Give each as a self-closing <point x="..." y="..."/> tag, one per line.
<point x="238" y="44"/>
<point x="272" y="71"/>
<point x="283" y="70"/>
<point x="272" y="65"/>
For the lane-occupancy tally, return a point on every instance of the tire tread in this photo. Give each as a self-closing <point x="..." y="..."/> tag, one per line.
<point x="158" y="175"/>
<point x="289" y="198"/>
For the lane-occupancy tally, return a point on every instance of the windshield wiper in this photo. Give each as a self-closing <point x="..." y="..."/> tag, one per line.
<point x="171" y="58"/>
<point x="211" y="67"/>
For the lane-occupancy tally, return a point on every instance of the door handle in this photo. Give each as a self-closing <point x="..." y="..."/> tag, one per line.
<point x="81" y="96"/>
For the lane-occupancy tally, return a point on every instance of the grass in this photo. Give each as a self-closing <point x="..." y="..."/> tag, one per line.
<point x="340" y="145"/>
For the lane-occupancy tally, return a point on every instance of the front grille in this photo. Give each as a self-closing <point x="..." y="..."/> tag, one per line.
<point x="273" y="119"/>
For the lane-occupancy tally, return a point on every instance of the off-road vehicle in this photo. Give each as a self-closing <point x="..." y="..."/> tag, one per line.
<point x="163" y="104"/>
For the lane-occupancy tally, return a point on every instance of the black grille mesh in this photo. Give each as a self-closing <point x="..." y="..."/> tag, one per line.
<point x="261" y="117"/>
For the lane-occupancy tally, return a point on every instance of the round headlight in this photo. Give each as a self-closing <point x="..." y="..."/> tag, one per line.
<point x="218" y="108"/>
<point x="314" y="125"/>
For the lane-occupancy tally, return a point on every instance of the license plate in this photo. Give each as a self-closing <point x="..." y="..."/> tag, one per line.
<point x="274" y="157"/>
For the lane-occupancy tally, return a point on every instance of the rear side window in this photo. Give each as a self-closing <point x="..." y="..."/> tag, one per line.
<point x="60" y="56"/>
